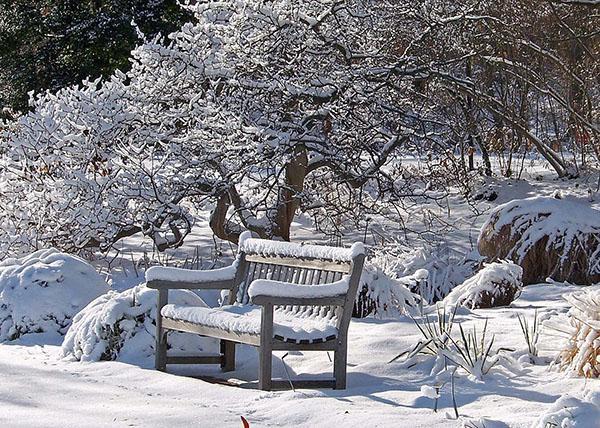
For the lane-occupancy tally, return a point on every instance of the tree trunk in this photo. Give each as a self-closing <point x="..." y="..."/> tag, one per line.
<point x="279" y="218"/>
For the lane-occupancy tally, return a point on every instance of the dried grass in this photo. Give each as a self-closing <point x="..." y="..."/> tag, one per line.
<point x="581" y="351"/>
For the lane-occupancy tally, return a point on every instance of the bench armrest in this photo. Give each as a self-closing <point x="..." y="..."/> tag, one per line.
<point x="159" y="277"/>
<point x="299" y="301"/>
<point x="265" y="291"/>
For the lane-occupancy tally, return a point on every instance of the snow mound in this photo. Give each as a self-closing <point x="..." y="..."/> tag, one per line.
<point x="43" y="291"/>
<point x="572" y="412"/>
<point x="497" y="284"/>
<point x="267" y="247"/>
<point x="548" y="237"/>
<point x="121" y="326"/>
<point x="581" y="351"/>
<point x="164" y="273"/>
<point x="267" y="287"/>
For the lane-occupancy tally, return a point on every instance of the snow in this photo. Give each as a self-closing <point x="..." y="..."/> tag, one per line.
<point x="267" y="247"/>
<point x="489" y="280"/>
<point x="120" y="326"/>
<point x="39" y="387"/>
<point x="431" y="272"/>
<point x="245" y="319"/>
<point x="390" y="295"/>
<point x="43" y="291"/>
<point x="421" y="274"/>
<point x="157" y="273"/>
<point x="429" y="392"/>
<point x="267" y="287"/>
<point x="563" y="214"/>
<point x="569" y="411"/>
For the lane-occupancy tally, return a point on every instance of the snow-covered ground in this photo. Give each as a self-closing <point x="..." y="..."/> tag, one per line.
<point x="37" y="388"/>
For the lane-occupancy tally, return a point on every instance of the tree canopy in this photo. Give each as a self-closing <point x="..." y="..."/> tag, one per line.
<point x="50" y="44"/>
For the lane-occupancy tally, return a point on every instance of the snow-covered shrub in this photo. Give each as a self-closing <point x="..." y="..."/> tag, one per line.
<point x="547" y="237"/>
<point x="581" y="351"/>
<point x="496" y="284"/>
<point x="43" y="291"/>
<point x="402" y="277"/>
<point x="445" y="270"/>
<point x="572" y="412"/>
<point x="122" y="326"/>
<point x="382" y="295"/>
<point x="471" y="351"/>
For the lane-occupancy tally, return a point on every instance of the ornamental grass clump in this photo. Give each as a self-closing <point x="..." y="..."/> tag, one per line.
<point x="470" y="350"/>
<point x="581" y="351"/>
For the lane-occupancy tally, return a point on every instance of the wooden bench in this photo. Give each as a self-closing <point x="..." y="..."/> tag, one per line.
<point x="282" y="297"/>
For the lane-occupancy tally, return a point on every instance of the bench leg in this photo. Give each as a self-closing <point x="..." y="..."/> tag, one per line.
<point x="339" y="366"/>
<point x="160" y="350"/>
<point x="228" y="353"/>
<point x="160" y="355"/>
<point x="266" y="348"/>
<point x="265" y="368"/>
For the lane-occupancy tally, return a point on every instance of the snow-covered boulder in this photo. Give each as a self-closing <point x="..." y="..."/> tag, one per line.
<point x="43" y="291"/>
<point x="121" y="326"/>
<point x="572" y="412"/>
<point x="547" y="237"/>
<point x="496" y="284"/>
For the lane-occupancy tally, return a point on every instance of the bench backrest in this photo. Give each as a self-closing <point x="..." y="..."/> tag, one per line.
<point x="299" y="264"/>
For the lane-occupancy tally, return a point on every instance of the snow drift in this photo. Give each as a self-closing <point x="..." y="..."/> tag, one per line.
<point x="43" y="291"/>
<point x="572" y="412"/>
<point x="121" y="326"/>
<point x="497" y="284"/>
<point x="547" y="237"/>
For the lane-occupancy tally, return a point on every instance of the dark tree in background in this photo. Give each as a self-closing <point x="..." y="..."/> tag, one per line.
<point x="49" y="44"/>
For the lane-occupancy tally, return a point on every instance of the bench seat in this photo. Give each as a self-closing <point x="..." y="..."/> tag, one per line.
<point x="244" y="320"/>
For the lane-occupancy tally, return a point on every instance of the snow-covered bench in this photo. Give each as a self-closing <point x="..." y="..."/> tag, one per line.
<point x="283" y="296"/>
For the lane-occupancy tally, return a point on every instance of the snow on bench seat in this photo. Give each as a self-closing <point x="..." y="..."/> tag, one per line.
<point x="268" y="287"/>
<point x="245" y="319"/>
<point x="162" y="273"/>
<point x="266" y="247"/>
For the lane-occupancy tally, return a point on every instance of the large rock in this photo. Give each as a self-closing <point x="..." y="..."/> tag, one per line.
<point x="547" y="237"/>
<point x="497" y="284"/>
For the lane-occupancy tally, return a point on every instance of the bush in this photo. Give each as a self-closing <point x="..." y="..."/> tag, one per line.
<point x="581" y="352"/>
<point x="122" y="326"/>
<point x="43" y="291"/>
<point x="382" y="295"/>
<point x="547" y="237"/>
<point x="398" y="278"/>
<point x="497" y="284"/>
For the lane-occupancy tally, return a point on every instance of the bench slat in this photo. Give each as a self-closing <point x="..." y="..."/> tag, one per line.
<point x="203" y="359"/>
<point x="300" y="263"/>
<point x="211" y="332"/>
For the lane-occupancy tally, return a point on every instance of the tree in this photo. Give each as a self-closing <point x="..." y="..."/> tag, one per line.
<point x="262" y="109"/>
<point x="48" y="44"/>
<point x="252" y="108"/>
<point x="514" y="82"/>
